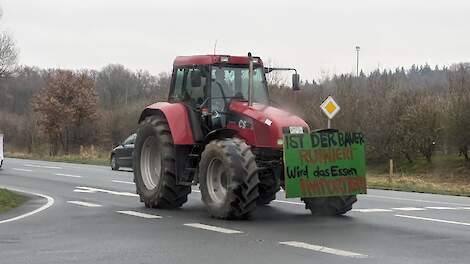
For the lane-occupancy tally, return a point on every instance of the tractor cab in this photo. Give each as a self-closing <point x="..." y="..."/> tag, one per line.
<point x="210" y="86"/>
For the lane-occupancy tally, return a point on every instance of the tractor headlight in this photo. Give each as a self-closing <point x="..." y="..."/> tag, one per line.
<point x="280" y="141"/>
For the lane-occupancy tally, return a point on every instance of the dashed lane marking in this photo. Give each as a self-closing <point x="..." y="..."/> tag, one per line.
<point x="379" y="210"/>
<point x="408" y="209"/>
<point x="371" y="210"/>
<point x="441" y="208"/>
<point x="139" y="214"/>
<point x="126" y="182"/>
<point x="412" y="200"/>
<point x="214" y="228"/>
<point x="323" y="249"/>
<point x="433" y="220"/>
<point x="84" y="204"/>
<point x="94" y="190"/>
<point x="68" y="175"/>
<point x="82" y="191"/>
<point x="40" y="166"/>
<point x="18" y="169"/>
<point x="288" y="202"/>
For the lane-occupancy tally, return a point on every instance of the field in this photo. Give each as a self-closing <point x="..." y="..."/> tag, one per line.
<point x="445" y="175"/>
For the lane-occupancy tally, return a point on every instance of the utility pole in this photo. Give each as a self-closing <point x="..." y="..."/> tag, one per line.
<point x="357" y="60"/>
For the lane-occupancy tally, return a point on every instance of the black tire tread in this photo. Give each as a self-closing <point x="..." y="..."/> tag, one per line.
<point x="243" y="174"/>
<point x="171" y="194"/>
<point x="330" y="206"/>
<point x="269" y="185"/>
<point x="115" y="168"/>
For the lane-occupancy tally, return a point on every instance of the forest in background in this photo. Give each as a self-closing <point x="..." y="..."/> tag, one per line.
<point x="404" y="113"/>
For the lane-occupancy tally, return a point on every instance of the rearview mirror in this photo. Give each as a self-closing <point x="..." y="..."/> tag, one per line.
<point x="295" y="82"/>
<point x="196" y="78"/>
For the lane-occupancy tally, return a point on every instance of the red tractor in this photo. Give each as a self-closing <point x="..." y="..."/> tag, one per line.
<point x="218" y="130"/>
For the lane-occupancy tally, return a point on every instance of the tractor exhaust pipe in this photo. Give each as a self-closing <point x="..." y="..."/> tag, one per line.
<point x="250" y="80"/>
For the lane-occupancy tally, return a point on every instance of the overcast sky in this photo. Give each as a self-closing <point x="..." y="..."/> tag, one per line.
<point x="317" y="37"/>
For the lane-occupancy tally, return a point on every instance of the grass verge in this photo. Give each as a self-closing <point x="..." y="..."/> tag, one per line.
<point x="446" y="174"/>
<point x="100" y="160"/>
<point x="421" y="183"/>
<point x="10" y="200"/>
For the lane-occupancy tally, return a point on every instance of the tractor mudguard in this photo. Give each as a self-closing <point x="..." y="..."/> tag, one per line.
<point x="219" y="134"/>
<point x="177" y="116"/>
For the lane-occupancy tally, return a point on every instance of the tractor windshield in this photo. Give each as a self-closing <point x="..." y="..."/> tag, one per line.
<point x="232" y="82"/>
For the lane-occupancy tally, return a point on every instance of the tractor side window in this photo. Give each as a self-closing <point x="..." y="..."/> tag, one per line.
<point x="194" y="94"/>
<point x="177" y="91"/>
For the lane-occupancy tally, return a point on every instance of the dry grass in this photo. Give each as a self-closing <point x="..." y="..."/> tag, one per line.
<point x="426" y="183"/>
<point x="88" y="155"/>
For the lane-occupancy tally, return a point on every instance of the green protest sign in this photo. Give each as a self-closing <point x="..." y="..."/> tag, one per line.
<point x="325" y="163"/>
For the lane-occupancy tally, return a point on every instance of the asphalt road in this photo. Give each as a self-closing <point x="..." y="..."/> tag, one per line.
<point x="97" y="218"/>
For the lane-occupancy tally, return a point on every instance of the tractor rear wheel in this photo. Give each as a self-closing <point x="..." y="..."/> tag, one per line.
<point x="228" y="179"/>
<point x="269" y="185"/>
<point x="330" y="206"/>
<point x="155" y="166"/>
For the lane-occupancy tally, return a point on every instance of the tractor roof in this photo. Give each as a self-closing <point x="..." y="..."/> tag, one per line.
<point x="212" y="59"/>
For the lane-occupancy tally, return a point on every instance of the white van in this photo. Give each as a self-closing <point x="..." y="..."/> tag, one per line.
<point x="1" y="150"/>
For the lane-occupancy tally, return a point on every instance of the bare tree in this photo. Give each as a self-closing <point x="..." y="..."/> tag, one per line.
<point x="8" y="54"/>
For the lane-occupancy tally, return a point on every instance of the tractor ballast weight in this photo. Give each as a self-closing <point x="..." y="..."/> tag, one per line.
<point x="218" y="129"/>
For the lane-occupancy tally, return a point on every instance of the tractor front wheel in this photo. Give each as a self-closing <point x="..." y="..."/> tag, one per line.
<point x="228" y="179"/>
<point x="330" y="206"/>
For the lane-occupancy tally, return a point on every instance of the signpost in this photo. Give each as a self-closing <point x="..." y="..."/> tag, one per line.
<point x="324" y="163"/>
<point x="330" y="108"/>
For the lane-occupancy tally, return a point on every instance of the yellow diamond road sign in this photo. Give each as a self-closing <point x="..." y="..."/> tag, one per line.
<point x="330" y="107"/>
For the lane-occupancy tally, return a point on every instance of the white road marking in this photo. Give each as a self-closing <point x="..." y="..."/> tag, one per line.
<point x="323" y="249"/>
<point x="371" y="210"/>
<point x="18" y="169"/>
<point x="288" y="202"/>
<point x="138" y="214"/>
<point x="82" y="191"/>
<point x="39" y="166"/>
<point x="68" y="175"/>
<point x="442" y="208"/>
<point x="49" y="203"/>
<point x="434" y="220"/>
<point x="84" y="204"/>
<point x="408" y="209"/>
<point x="214" y="228"/>
<point x="126" y="182"/>
<point x="413" y="200"/>
<point x="93" y="190"/>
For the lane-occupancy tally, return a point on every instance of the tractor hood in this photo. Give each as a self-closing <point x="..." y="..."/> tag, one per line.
<point x="266" y="124"/>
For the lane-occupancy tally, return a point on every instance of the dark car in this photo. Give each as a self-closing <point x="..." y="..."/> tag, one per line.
<point x="121" y="155"/>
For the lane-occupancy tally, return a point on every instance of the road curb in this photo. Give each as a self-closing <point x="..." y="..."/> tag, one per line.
<point x="43" y="206"/>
